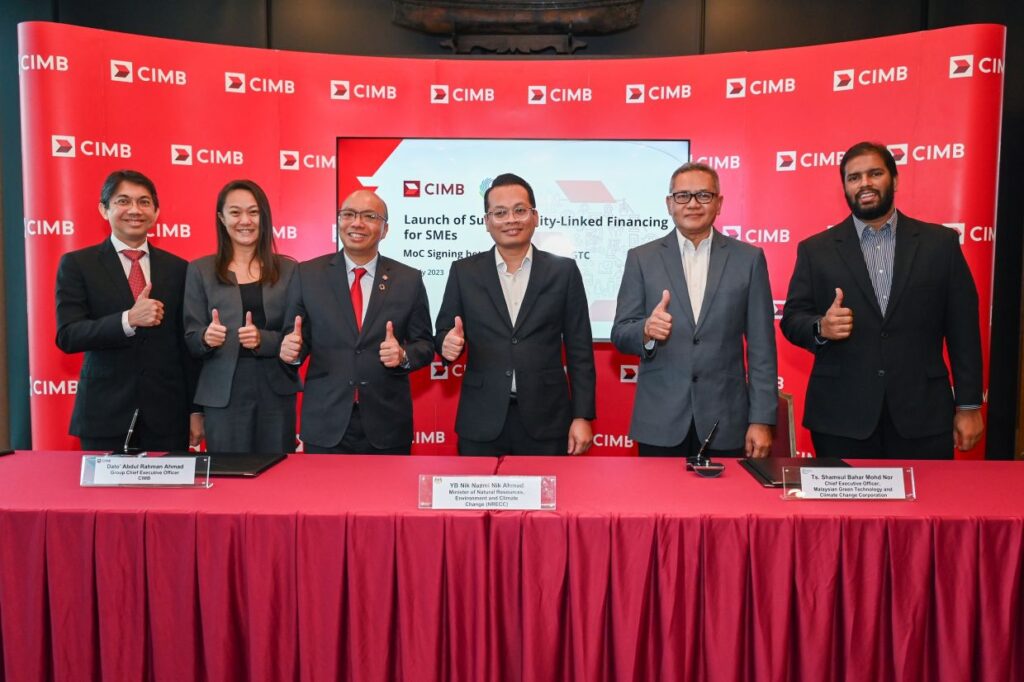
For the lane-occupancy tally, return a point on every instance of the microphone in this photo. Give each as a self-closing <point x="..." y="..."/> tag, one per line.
<point x="700" y="463"/>
<point x="125" y="450"/>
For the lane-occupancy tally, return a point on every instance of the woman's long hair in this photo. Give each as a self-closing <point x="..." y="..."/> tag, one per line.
<point x="266" y="248"/>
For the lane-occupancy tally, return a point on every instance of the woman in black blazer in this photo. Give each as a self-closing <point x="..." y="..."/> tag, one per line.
<point x="234" y="316"/>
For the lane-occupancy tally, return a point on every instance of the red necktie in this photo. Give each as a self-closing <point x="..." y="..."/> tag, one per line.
<point x="357" y="296"/>
<point x="136" y="280"/>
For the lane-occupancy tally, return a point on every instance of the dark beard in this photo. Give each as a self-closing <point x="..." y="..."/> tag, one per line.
<point x="884" y="205"/>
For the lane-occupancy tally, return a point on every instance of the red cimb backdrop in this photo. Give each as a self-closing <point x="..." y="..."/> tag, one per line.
<point x="774" y="124"/>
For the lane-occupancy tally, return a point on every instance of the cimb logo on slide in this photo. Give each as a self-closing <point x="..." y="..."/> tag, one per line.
<point x="292" y="159"/>
<point x="639" y="93"/>
<point x="122" y="71"/>
<point x="740" y="87"/>
<point x="846" y="79"/>
<point x="442" y="93"/>
<point x="185" y="155"/>
<point x="416" y="188"/>
<point x="66" y="146"/>
<point x="238" y="82"/>
<point x="542" y="94"/>
<point x="345" y="90"/>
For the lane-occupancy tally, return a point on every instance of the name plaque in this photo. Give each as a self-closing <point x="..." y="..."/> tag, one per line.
<point x="487" y="492"/>
<point x="166" y="472"/>
<point x="857" y="483"/>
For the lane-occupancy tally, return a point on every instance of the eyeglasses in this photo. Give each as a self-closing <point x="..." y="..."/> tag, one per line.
<point x="702" y="196"/>
<point x="517" y="213"/>
<point x="124" y="202"/>
<point x="348" y="216"/>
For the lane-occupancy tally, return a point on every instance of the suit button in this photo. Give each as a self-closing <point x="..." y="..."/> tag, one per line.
<point x="696" y="342"/>
<point x="885" y="335"/>
<point x="881" y="372"/>
<point x="351" y="383"/>
<point x="508" y="372"/>
<point x="694" y="378"/>
<point x="363" y="383"/>
<point x="514" y="340"/>
<point x="358" y="351"/>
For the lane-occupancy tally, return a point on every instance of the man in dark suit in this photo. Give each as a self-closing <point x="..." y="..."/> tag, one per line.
<point x="364" y="320"/>
<point x="874" y="299"/>
<point x="516" y="307"/>
<point x="687" y="303"/>
<point x="120" y="302"/>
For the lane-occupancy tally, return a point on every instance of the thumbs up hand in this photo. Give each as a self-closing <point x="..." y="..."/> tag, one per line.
<point x="147" y="312"/>
<point x="391" y="352"/>
<point x="215" y="333"/>
<point x="659" y="325"/>
<point x="249" y="335"/>
<point x="291" y="344"/>
<point x="837" y="323"/>
<point x="454" y="342"/>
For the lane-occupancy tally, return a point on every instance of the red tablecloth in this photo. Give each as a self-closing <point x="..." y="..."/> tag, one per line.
<point x="323" y="568"/>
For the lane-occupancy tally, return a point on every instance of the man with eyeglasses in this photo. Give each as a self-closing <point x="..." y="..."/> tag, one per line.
<point x="364" y="320"/>
<point x="512" y="310"/>
<point x="686" y="304"/>
<point x="875" y="299"/>
<point x="120" y="303"/>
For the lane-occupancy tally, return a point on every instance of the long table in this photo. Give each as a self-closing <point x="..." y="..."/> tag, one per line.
<point x="323" y="568"/>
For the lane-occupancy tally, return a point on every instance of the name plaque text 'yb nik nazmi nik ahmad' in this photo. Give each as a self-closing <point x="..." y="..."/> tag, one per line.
<point x="486" y="492"/>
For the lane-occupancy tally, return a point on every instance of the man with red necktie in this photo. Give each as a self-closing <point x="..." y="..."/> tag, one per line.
<point x="364" y="320"/>
<point x="120" y="302"/>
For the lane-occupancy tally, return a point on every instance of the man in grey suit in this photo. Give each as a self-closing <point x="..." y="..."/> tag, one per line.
<point x="686" y="303"/>
<point x="364" y="319"/>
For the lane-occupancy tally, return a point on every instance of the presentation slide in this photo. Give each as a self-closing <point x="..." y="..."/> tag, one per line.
<point x="595" y="200"/>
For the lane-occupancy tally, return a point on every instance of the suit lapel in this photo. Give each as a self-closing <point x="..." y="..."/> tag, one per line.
<point x="716" y="267"/>
<point x="673" y="261"/>
<point x="159" y="273"/>
<point x="848" y="246"/>
<point x="907" y="232"/>
<point x="488" y="275"/>
<point x="540" y="270"/>
<point x="111" y="264"/>
<point x="378" y="292"/>
<point x="338" y="278"/>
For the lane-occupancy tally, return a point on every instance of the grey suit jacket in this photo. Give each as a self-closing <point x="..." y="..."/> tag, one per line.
<point x="698" y="374"/>
<point x="344" y="358"/>
<point x="203" y="293"/>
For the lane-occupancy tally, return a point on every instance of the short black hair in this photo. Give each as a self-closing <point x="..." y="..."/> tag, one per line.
<point x="115" y="179"/>
<point x="862" y="148"/>
<point x="506" y="180"/>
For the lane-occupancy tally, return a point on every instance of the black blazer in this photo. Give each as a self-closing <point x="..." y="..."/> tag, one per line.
<point x="343" y="358"/>
<point x="151" y="370"/>
<point x="897" y="358"/>
<point x="554" y="314"/>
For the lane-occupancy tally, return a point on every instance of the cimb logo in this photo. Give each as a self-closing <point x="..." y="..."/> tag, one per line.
<point x="790" y="160"/>
<point x="345" y="90"/>
<point x="66" y="146"/>
<point x="291" y="159"/>
<point x="416" y="188"/>
<point x="757" y="235"/>
<point x="785" y="161"/>
<point x="639" y="93"/>
<point x="779" y="304"/>
<point x="964" y="65"/>
<point x="50" y="387"/>
<point x="442" y="93"/>
<point x="628" y="373"/>
<point x="740" y="87"/>
<point x="927" y="152"/>
<point x="976" y="233"/>
<point x="43" y="62"/>
<point x="122" y="71"/>
<point x="41" y="227"/>
<point x="439" y="371"/>
<point x="411" y="188"/>
<point x="846" y="79"/>
<point x="542" y="94"/>
<point x="238" y="82"/>
<point x="729" y="162"/>
<point x="184" y="155"/>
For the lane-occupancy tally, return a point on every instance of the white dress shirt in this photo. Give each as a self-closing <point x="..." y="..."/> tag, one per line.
<point x="513" y="287"/>
<point x="696" y="260"/>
